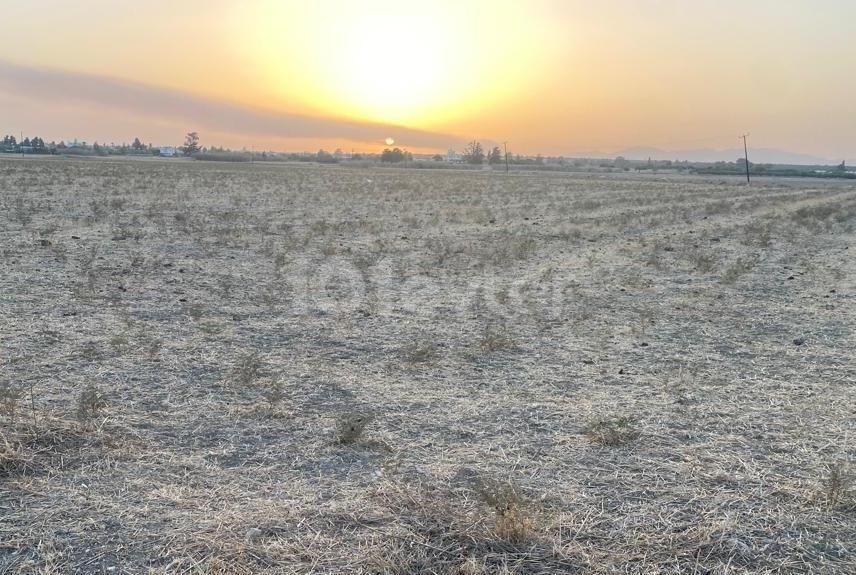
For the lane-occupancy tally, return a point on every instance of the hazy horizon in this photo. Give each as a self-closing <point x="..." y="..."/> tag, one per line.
<point x="556" y="78"/>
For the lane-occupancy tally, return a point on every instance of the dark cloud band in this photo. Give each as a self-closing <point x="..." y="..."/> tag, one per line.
<point x="201" y="113"/>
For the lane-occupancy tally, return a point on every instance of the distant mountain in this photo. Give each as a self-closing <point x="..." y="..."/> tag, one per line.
<point x="756" y="155"/>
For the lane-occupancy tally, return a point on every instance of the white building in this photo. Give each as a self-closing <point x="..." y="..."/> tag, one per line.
<point x="168" y="152"/>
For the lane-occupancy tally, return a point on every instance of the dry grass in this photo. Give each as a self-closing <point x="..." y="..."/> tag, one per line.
<point x="612" y="432"/>
<point x="298" y="369"/>
<point x="90" y="403"/>
<point x="838" y="484"/>
<point x="350" y="427"/>
<point x="513" y="521"/>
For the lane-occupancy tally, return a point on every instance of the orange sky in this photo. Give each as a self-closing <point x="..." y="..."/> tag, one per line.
<point x="555" y="77"/>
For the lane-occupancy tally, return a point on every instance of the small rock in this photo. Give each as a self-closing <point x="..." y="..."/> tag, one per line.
<point x="799" y="341"/>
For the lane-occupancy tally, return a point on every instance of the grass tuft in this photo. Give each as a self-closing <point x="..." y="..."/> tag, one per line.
<point x="90" y="403"/>
<point x="838" y="484"/>
<point x="9" y="396"/>
<point x="350" y="427"/>
<point x="612" y="432"/>
<point x="274" y="394"/>
<point x="513" y="520"/>
<point x="247" y="369"/>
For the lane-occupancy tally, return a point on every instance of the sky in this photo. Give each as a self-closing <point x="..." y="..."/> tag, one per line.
<point x="556" y="77"/>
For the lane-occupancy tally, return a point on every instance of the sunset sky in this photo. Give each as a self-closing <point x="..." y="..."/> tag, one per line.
<point x="552" y="77"/>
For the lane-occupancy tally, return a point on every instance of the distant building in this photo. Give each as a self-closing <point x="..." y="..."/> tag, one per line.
<point x="454" y="157"/>
<point x="168" y="152"/>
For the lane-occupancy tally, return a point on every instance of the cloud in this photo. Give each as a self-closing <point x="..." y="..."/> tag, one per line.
<point x="195" y="111"/>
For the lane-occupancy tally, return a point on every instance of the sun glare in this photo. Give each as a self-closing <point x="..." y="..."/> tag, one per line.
<point x="428" y="66"/>
<point x="380" y="61"/>
<point x="393" y="70"/>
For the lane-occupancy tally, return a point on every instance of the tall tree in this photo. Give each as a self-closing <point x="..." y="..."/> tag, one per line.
<point x="474" y="153"/>
<point x="495" y="156"/>
<point x="138" y="145"/>
<point x="191" y="144"/>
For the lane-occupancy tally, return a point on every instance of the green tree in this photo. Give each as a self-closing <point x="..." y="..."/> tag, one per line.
<point x="138" y="145"/>
<point x="191" y="144"/>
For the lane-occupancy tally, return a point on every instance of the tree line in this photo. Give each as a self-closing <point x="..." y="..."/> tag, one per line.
<point x="34" y="145"/>
<point x="37" y="145"/>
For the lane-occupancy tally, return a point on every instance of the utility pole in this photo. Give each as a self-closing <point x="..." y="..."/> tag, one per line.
<point x="746" y="155"/>
<point x="505" y="146"/>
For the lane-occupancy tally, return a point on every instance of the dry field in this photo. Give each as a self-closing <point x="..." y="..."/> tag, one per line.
<point x="213" y="368"/>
